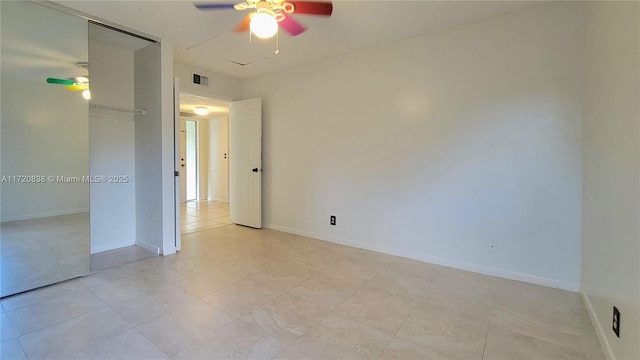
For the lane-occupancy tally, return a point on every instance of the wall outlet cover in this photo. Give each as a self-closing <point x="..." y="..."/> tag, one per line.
<point x="616" y="321"/>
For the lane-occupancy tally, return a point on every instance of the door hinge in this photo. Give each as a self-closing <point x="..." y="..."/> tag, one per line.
<point x="176" y="173"/>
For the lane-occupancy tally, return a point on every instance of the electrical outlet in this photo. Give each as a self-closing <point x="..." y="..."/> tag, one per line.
<point x="332" y="220"/>
<point x="492" y="246"/>
<point x="616" y="321"/>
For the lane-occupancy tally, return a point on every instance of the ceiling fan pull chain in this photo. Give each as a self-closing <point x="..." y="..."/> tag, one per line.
<point x="277" y="42"/>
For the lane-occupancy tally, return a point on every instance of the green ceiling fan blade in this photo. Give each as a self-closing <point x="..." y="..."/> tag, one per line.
<point x="60" y="81"/>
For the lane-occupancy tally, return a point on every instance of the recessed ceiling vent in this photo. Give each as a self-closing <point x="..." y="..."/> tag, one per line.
<point x="201" y="80"/>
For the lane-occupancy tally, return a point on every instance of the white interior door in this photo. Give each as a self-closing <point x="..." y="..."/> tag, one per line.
<point x="245" y="162"/>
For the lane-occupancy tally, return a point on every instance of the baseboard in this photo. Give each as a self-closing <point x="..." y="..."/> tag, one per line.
<point x="113" y="246"/>
<point x="48" y="214"/>
<point x="512" y="275"/>
<point x="604" y="343"/>
<point x="146" y="245"/>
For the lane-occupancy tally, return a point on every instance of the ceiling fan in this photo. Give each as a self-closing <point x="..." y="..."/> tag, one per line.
<point x="78" y="83"/>
<point x="269" y="14"/>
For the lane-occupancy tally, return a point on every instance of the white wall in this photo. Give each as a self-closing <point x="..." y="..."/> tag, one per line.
<point x="204" y="141"/>
<point x="431" y="147"/>
<point x="611" y="234"/>
<point x="154" y="152"/>
<point x="220" y="86"/>
<point x="218" y="164"/>
<point x="44" y="132"/>
<point x="112" y="144"/>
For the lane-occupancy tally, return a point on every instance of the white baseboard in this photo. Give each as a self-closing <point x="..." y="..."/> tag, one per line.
<point x="47" y="214"/>
<point x="507" y="274"/>
<point x="112" y="246"/>
<point x="604" y="343"/>
<point x="146" y="245"/>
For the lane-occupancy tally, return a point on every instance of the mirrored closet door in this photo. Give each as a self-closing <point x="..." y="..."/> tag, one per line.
<point x="44" y="146"/>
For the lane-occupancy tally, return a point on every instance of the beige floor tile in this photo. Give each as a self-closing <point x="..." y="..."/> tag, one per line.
<point x="338" y="337"/>
<point x="400" y="285"/>
<point x="208" y="282"/>
<point x="468" y="305"/>
<point x="74" y="335"/>
<point x="109" y="275"/>
<point x="129" y="287"/>
<point x="127" y="345"/>
<point x="404" y="349"/>
<point x="503" y="344"/>
<point x="292" y="354"/>
<point x="189" y="324"/>
<point x="451" y="335"/>
<point x="283" y="276"/>
<point x="314" y="260"/>
<point x="51" y="312"/>
<point x="530" y="326"/>
<point x="250" y="265"/>
<point x="546" y="314"/>
<point x="469" y="282"/>
<point x="242" y="297"/>
<point x="150" y="305"/>
<point x="12" y="350"/>
<point x="275" y="252"/>
<point x="378" y="308"/>
<point x="358" y="273"/>
<point x="375" y="258"/>
<point x="237" y="340"/>
<point x="286" y="317"/>
<point x="324" y="291"/>
<point x="39" y="295"/>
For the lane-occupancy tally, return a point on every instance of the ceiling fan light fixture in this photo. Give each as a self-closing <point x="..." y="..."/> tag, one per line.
<point x="263" y="25"/>
<point x="201" y="110"/>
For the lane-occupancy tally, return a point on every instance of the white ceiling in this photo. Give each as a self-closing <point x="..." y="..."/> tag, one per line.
<point x="205" y="39"/>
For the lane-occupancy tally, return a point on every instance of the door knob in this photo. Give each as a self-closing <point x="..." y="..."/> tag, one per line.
<point x="255" y="170"/>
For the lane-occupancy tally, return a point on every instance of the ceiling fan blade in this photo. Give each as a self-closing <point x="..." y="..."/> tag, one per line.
<point x="78" y="87"/>
<point x="60" y="81"/>
<point x="213" y="6"/>
<point x="244" y="24"/>
<point x="291" y="26"/>
<point x="312" y="8"/>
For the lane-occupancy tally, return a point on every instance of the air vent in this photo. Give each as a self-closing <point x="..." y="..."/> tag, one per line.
<point x="200" y="80"/>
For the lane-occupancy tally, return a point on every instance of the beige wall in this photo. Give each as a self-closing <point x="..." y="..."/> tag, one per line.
<point x="433" y="146"/>
<point x="611" y="213"/>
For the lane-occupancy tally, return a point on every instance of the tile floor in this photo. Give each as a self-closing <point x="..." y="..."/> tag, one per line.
<point x="203" y="215"/>
<point x="239" y="293"/>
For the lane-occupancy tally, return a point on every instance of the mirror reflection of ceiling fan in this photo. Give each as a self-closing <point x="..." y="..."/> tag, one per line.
<point x="78" y="83"/>
<point x="268" y="15"/>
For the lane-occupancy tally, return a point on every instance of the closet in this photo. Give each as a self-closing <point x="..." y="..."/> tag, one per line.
<point x="86" y="184"/>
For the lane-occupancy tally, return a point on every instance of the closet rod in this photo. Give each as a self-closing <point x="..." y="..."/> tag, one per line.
<point x="129" y="111"/>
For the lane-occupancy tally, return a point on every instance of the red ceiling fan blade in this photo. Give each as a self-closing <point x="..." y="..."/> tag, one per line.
<point x="291" y="26"/>
<point x="244" y="24"/>
<point x="312" y="7"/>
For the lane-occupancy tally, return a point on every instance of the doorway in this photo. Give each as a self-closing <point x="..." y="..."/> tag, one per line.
<point x="203" y="164"/>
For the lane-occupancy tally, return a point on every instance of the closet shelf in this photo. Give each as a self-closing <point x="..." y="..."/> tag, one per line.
<point x="112" y="108"/>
